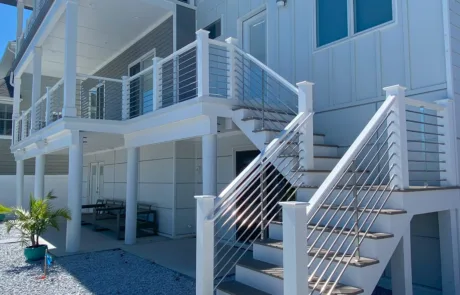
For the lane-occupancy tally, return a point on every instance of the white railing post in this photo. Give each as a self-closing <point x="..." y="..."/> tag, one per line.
<point x="307" y="137"/>
<point x="232" y="66"/>
<point x="24" y="126"/>
<point x="204" y="245"/>
<point x="295" y="249"/>
<point x="156" y="83"/>
<point x="48" y="106"/>
<point x="125" y="98"/>
<point x="449" y="160"/>
<point x="202" y="52"/>
<point x="397" y="130"/>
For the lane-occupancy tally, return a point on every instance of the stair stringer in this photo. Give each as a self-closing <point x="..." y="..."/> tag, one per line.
<point x="368" y="277"/>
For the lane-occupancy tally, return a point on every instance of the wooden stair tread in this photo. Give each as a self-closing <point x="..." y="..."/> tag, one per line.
<point x="278" y="272"/>
<point x="385" y="211"/>
<point x="362" y="262"/>
<point x="370" y="235"/>
<point x="237" y="288"/>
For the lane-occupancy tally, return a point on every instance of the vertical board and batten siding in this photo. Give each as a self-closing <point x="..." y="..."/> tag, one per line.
<point x="55" y="164"/>
<point x="350" y="74"/>
<point x="160" y="38"/>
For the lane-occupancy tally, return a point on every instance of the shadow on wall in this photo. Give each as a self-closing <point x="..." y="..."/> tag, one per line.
<point x="57" y="183"/>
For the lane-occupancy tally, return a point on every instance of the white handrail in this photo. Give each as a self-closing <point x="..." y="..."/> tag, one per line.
<point x="143" y="72"/>
<point x="178" y="52"/>
<point x="267" y="69"/>
<point x="99" y="78"/>
<point x="352" y="152"/>
<point x="424" y="104"/>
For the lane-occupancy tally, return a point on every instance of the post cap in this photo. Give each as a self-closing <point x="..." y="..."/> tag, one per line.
<point x="202" y="33"/>
<point x="305" y="83"/>
<point x="394" y="90"/>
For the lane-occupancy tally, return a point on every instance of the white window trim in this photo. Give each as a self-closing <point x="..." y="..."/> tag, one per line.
<point x="95" y="89"/>
<point x="351" y="26"/>
<point x="142" y="58"/>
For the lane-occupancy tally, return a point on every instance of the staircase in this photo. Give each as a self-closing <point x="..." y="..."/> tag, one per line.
<point x="353" y="222"/>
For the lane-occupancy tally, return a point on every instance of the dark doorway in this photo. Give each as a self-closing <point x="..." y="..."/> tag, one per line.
<point x="261" y="199"/>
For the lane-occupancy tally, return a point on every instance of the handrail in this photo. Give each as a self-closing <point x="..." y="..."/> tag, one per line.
<point x="178" y="52"/>
<point x="283" y="81"/>
<point x="143" y="72"/>
<point x="424" y="104"/>
<point x="247" y="175"/>
<point x="99" y="78"/>
<point x="351" y="153"/>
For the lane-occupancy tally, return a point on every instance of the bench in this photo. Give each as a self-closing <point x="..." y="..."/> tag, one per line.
<point x="113" y="217"/>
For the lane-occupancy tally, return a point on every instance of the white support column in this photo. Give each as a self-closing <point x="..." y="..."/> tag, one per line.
<point x="131" y="195"/>
<point x="449" y="129"/>
<point x="209" y="151"/>
<point x="19" y="23"/>
<point x="307" y="137"/>
<point x="19" y="182"/>
<point x="24" y="127"/>
<point x="74" y="192"/>
<point x="36" y="85"/>
<point x="232" y="66"/>
<point x="202" y="62"/>
<point x="295" y="256"/>
<point x="17" y="97"/>
<point x="156" y="83"/>
<point x="125" y="98"/>
<point x="39" y="183"/>
<point x="449" y="248"/>
<point x="70" y="59"/>
<point x="401" y="267"/>
<point x="204" y="245"/>
<point x="398" y="130"/>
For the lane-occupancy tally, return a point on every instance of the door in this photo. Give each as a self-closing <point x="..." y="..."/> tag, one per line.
<point x="255" y="43"/>
<point x="96" y="182"/>
<point x="245" y="231"/>
<point x="141" y="88"/>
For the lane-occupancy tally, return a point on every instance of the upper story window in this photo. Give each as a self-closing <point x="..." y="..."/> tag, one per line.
<point x="333" y="18"/>
<point x="215" y="29"/>
<point x="6" y="115"/>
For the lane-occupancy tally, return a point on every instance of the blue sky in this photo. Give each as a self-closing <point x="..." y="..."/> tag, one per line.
<point x="8" y="28"/>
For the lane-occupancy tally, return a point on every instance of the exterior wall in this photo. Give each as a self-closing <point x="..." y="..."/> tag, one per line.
<point x="55" y="164"/>
<point x="56" y="183"/>
<point x="349" y="75"/>
<point x="26" y="89"/>
<point x="185" y="26"/>
<point x="170" y="176"/>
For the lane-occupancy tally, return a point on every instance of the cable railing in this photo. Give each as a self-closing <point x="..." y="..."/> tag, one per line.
<point x="99" y="98"/>
<point x="259" y="88"/>
<point x="219" y="68"/>
<point x="247" y="206"/>
<point x="56" y="101"/>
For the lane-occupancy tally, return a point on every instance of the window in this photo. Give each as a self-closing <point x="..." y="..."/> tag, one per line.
<point x="97" y="102"/>
<point x="371" y="13"/>
<point x="215" y="29"/>
<point x="6" y="115"/>
<point x="333" y="19"/>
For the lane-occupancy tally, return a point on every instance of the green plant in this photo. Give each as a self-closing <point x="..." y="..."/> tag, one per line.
<point x="34" y="222"/>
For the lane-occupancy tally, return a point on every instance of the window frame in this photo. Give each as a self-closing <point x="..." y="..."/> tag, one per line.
<point x="351" y="25"/>
<point x="3" y="121"/>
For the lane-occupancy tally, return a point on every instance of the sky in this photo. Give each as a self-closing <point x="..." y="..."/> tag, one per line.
<point x="8" y="16"/>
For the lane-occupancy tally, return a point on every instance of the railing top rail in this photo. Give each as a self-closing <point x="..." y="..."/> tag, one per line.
<point x="424" y="104"/>
<point x="99" y="78"/>
<point x="56" y="85"/>
<point x="178" y="52"/>
<point x="143" y="72"/>
<point x="283" y="81"/>
<point x="350" y="155"/>
<point x="300" y="119"/>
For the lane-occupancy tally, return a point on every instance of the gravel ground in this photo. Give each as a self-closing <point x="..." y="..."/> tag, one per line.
<point x="107" y="272"/>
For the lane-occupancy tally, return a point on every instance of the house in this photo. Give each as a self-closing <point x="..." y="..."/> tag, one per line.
<point x="160" y="101"/>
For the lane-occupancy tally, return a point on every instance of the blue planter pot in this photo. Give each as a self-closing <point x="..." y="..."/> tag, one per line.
<point x="35" y="253"/>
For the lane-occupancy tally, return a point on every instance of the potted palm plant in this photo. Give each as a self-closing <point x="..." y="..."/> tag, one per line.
<point x="34" y="222"/>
